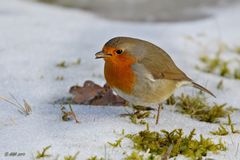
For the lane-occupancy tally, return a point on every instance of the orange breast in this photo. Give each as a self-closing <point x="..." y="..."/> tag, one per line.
<point x="119" y="75"/>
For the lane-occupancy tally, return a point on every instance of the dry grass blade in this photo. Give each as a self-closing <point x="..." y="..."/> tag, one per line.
<point x="23" y="109"/>
<point x="73" y="114"/>
<point x="66" y="115"/>
<point x="27" y="107"/>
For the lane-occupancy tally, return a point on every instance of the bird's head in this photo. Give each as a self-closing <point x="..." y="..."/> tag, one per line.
<point x="121" y="50"/>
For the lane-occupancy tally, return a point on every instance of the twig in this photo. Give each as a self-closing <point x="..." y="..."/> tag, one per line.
<point x="73" y="114"/>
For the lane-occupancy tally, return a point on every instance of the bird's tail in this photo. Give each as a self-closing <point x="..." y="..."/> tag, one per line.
<point x="202" y="89"/>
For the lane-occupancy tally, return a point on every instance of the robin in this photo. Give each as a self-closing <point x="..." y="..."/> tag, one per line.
<point x="141" y="72"/>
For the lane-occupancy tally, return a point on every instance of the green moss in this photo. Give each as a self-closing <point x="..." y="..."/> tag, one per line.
<point x="232" y="127"/>
<point x="43" y="153"/>
<point x="198" y="108"/>
<point x="221" y="131"/>
<point x="158" y="143"/>
<point x="62" y="64"/>
<point x="117" y="143"/>
<point x="212" y="64"/>
<point x="219" y="66"/>
<point x="134" y="156"/>
<point x="95" y="158"/>
<point x="138" y="117"/>
<point x="236" y="74"/>
<point x="224" y="70"/>
<point x="70" y="157"/>
<point x="220" y="85"/>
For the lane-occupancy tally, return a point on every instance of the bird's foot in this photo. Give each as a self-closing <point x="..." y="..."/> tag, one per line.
<point x="143" y="108"/>
<point x="130" y="114"/>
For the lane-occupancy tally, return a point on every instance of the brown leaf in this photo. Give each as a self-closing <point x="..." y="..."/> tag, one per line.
<point x="93" y="94"/>
<point x="86" y="93"/>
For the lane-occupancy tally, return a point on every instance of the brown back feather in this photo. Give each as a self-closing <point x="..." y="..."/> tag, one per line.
<point x="161" y="66"/>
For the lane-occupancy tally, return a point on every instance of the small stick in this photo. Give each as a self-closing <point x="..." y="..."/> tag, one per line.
<point x="73" y="114"/>
<point x="158" y="113"/>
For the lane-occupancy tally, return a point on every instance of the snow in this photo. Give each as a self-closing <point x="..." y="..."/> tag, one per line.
<point x="35" y="37"/>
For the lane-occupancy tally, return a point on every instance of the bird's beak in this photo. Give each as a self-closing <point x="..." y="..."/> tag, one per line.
<point x="102" y="55"/>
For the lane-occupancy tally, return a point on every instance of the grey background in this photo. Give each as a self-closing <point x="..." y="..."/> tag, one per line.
<point x="148" y="10"/>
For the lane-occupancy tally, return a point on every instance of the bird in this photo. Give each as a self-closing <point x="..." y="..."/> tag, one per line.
<point x="141" y="72"/>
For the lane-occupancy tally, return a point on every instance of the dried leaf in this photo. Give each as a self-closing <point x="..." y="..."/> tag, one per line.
<point x="85" y="94"/>
<point x="93" y="94"/>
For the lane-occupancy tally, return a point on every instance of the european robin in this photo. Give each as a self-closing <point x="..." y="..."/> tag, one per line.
<point x="141" y="72"/>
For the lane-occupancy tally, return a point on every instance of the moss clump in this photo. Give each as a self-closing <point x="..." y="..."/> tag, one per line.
<point x="43" y="153"/>
<point x="198" y="108"/>
<point x="117" y="143"/>
<point x="134" y="156"/>
<point x="220" y="85"/>
<point x="236" y="74"/>
<point x="219" y="66"/>
<point x="232" y="127"/>
<point x="138" y="117"/>
<point x="95" y="158"/>
<point x="143" y="156"/>
<point x="210" y="64"/>
<point x="64" y="64"/>
<point x="215" y="65"/>
<point x="70" y="157"/>
<point x="221" y="131"/>
<point x="158" y="143"/>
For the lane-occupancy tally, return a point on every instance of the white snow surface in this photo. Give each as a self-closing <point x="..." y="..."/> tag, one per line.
<point x="34" y="37"/>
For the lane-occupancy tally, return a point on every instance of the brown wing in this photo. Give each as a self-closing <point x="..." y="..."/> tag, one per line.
<point x="161" y="66"/>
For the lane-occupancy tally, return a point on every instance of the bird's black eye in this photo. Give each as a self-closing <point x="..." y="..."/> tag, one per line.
<point x="119" y="51"/>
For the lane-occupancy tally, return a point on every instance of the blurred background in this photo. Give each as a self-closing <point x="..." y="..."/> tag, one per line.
<point x="148" y="10"/>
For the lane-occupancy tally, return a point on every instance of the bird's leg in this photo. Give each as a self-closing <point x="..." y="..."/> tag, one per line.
<point x="158" y="113"/>
<point x="129" y="114"/>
